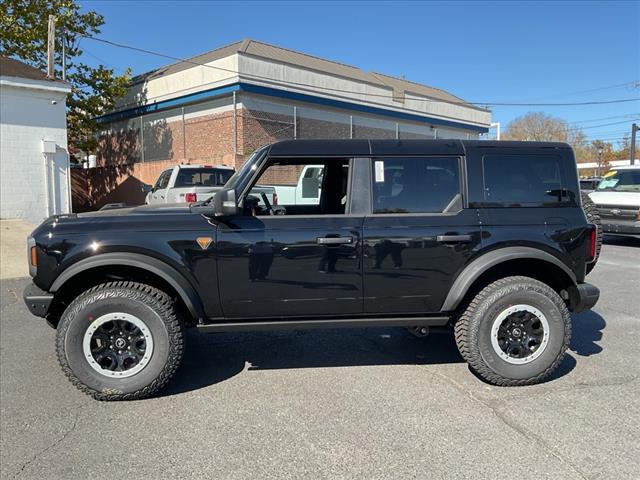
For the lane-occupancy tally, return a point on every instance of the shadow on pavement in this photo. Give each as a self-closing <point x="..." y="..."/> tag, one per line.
<point x="213" y="358"/>
<point x="621" y="241"/>
<point x="587" y="330"/>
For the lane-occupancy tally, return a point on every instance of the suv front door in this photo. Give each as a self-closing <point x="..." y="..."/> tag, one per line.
<point x="419" y="235"/>
<point x="293" y="260"/>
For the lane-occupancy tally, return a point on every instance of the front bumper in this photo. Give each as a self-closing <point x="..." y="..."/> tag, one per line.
<point x="37" y="300"/>
<point x="583" y="297"/>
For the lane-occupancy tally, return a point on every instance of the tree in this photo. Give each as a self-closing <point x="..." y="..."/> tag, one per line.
<point x="624" y="150"/>
<point x="94" y="90"/>
<point x="602" y="153"/>
<point x="538" y="126"/>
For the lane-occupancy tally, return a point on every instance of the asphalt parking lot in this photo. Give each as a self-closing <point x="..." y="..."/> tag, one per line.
<point x="373" y="403"/>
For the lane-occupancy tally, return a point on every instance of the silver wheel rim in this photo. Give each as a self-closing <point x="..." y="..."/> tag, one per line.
<point x="509" y="317"/>
<point x="118" y="345"/>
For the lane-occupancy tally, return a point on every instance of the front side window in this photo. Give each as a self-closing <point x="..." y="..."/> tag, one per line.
<point x="300" y="187"/>
<point x="523" y="180"/>
<point x="163" y="180"/>
<point x="414" y="185"/>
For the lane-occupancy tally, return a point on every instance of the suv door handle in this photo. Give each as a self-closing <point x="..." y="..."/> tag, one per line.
<point x="334" y="240"/>
<point x="454" y="238"/>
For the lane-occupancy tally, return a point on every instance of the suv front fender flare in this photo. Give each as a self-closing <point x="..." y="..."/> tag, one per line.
<point x="169" y="274"/>
<point x="483" y="263"/>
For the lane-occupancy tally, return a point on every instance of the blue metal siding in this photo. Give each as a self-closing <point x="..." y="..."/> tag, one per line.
<point x="274" y="92"/>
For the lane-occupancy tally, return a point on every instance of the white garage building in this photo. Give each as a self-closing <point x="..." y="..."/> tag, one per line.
<point x="34" y="159"/>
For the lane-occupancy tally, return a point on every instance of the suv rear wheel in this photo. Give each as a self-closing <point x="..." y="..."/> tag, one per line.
<point x="120" y="341"/>
<point x="514" y="332"/>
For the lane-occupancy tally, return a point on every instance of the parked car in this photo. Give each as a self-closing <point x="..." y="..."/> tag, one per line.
<point x="617" y="199"/>
<point x="485" y="238"/>
<point x="188" y="183"/>
<point x="589" y="184"/>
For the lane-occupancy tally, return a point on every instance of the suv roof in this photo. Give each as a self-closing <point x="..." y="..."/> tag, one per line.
<point x="365" y="147"/>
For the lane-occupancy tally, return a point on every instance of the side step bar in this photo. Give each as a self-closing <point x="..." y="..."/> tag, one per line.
<point x="265" y="325"/>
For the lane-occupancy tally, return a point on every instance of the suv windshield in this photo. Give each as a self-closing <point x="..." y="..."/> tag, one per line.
<point x="621" y="181"/>
<point x="249" y="164"/>
<point x="203" y="177"/>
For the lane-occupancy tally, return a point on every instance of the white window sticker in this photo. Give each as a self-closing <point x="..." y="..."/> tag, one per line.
<point x="379" y="167"/>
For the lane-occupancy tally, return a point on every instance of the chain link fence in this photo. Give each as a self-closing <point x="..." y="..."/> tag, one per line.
<point x="221" y="131"/>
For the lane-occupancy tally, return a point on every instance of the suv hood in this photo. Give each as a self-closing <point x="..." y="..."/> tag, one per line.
<point x="165" y="217"/>
<point x="623" y="199"/>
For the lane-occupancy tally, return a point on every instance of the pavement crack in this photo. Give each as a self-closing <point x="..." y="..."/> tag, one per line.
<point x="515" y="426"/>
<point x="15" y="297"/>
<point x="53" y="444"/>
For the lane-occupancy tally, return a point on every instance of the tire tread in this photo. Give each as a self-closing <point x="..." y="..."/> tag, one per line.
<point x="156" y="299"/>
<point x="466" y="329"/>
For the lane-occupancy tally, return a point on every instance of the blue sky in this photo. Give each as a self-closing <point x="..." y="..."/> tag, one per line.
<point x="480" y="51"/>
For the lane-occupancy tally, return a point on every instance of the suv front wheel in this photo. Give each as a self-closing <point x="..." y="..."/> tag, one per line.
<point x="514" y="332"/>
<point x="120" y="341"/>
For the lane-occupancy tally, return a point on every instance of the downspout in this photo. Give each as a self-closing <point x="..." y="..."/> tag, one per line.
<point x="47" y="182"/>
<point x="235" y="131"/>
<point x="69" y="193"/>
<point x="53" y="185"/>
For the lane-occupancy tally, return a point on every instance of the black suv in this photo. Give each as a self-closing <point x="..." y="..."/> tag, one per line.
<point x="488" y="238"/>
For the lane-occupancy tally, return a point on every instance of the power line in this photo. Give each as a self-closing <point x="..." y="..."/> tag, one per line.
<point x="299" y="84"/>
<point x="84" y="49"/>
<point x="611" y="139"/>
<point x="626" y="115"/>
<point x="634" y="84"/>
<point x="606" y="124"/>
<point x="618" y="132"/>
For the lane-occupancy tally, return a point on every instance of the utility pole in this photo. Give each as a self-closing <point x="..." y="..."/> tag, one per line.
<point x="634" y="129"/>
<point x="51" y="43"/>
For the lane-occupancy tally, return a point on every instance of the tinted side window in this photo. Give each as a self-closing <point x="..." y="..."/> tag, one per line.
<point x="414" y="185"/>
<point x="523" y="180"/>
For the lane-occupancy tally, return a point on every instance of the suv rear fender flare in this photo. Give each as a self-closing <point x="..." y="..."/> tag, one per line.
<point x="480" y="265"/>
<point x="169" y="274"/>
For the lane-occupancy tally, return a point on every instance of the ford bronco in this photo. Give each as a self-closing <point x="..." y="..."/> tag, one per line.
<point x="486" y="238"/>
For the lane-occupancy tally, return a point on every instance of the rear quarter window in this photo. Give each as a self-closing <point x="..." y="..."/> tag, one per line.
<point x="523" y="180"/>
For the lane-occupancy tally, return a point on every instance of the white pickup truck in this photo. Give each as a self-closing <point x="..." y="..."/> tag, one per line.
<point x="617" y="199"/>
<point x="188" y="184"/>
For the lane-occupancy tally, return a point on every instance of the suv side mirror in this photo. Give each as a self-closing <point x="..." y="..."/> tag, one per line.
<point x="146" y="188"/>
<point x="224" y="203"/>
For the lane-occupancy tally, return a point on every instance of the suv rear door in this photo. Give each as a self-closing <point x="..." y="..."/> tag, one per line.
<point x="528" y="194"/>
<point x="419" y="234"/>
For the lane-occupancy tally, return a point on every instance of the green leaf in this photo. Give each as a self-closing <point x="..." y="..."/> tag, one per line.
<point x="94" y="90"/>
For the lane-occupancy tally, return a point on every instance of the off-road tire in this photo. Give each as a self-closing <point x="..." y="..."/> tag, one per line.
<point x="593" y="217"/>
<point x="473" y="331"/>
<point x="158" y="312"/>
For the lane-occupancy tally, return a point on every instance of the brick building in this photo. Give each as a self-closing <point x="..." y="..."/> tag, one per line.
<point x="220" y="106"/>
